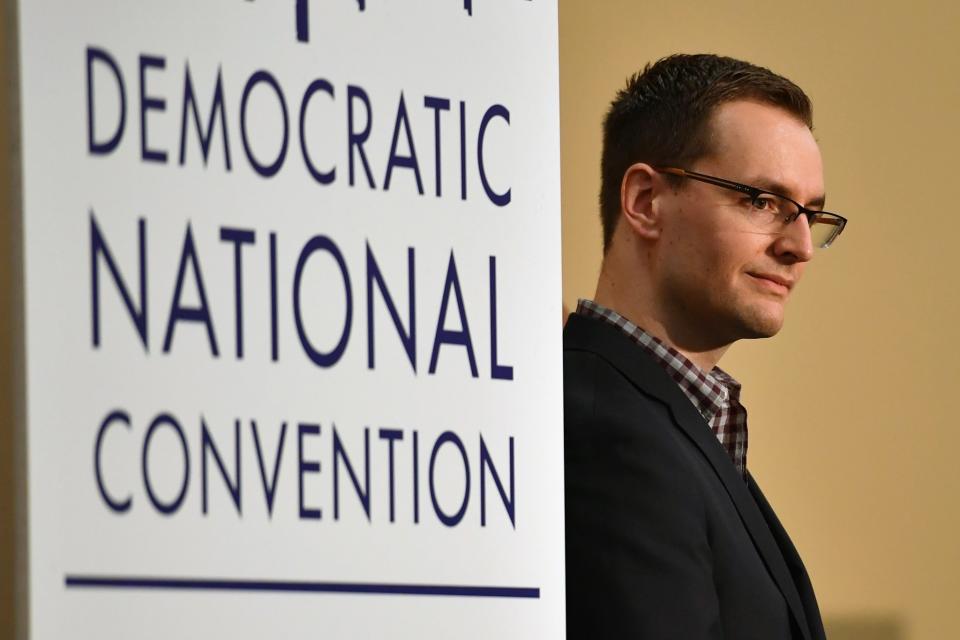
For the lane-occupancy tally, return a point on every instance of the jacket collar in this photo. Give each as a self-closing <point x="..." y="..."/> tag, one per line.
<point x="589" y="334"/>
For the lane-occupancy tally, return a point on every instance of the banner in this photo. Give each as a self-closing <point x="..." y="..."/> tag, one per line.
<point x="293" y="319"/>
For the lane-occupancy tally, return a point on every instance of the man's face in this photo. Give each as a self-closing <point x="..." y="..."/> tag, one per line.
<point x="720" y="277"/>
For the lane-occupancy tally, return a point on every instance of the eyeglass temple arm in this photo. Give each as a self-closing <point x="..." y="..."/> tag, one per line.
<point x="720" y="182"/>
<point x="821" y="218"/>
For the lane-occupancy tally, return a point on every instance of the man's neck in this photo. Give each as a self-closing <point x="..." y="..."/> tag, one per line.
<point x="612" y="295"/>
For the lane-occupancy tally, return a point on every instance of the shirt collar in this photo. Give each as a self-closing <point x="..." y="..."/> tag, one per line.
<point x="709" y="391"/>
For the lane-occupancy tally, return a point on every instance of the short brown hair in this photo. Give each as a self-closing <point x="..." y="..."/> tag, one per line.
<point x="661" y="116"/>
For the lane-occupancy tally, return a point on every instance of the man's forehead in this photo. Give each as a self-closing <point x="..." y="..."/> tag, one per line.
<point x="765" y="146"/>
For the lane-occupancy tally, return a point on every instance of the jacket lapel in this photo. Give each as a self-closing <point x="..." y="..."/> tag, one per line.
<point x="588" y="334"/>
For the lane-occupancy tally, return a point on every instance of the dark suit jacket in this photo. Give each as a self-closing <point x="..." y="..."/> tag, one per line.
<point x="664" y="538"/>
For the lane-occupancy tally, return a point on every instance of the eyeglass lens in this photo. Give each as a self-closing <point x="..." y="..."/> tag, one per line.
<point x="771" y="211"/>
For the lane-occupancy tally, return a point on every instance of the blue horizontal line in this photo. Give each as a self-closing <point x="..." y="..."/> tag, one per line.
<point x="207" y="584"/>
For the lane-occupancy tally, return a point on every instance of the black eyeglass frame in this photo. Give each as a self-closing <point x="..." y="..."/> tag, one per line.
<point x="813" y="215"/>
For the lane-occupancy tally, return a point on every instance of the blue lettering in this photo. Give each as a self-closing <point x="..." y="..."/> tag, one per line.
<point x="98" y="247"/>
<point x="120" y="506"/>
<point x="407" y="162"/>
<point x="270" y="487"/>
<point x="149" y="103"/>
<point x="323" y="177"/>
<point x="408" y="338"/>
<point x="274" y="338"/>
<point x="463" y="150"/>
<point x="238" y="237"/>
<point x="497" y="370"/>
<point x="416" y="477"/>
<point x="340" y="453"/>
<point x="322" y="243"/>
<point x="486" y="462"/>
<point x="189" y="314"/>
<point x="446" y="336"/>
<point x="306" y="466"/>
<point x="438" y="105"/>
<point x="270" y="169"/>
<point x="208" y="445"/>
<point x="391" y="435"/>
<point x="497" y="110"/>
<point x="451" y="437"/>
<point x="216" y="109"/>
<point x="166" y="508"/>
<point x="355" y="139"/>
<point x="111" y="143"/>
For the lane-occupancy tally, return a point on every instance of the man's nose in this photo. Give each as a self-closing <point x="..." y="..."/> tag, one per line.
<point x="794" y="243"/>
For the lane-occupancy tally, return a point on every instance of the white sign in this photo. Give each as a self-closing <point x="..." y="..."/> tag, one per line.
<point x="292" y="315"/>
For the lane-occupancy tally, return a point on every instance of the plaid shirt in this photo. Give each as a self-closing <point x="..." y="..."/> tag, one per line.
<point x="715" y="394"/>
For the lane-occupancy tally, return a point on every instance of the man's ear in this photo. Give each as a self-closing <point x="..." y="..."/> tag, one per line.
<point x="638" y="192"/>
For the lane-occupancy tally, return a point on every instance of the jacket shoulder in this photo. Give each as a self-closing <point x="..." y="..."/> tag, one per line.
<point x="600" y="401"/>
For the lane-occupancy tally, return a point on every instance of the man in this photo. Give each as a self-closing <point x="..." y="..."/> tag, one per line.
<point x="711" y="203"/>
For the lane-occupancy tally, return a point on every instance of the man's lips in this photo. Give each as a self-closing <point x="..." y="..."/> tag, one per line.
<point x="774" y="281"/>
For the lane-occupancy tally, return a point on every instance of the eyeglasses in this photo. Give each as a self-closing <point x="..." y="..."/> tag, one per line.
<point x="773" y="211"/>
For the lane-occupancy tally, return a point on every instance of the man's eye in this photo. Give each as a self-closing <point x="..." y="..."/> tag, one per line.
<point x="764" y="203"/>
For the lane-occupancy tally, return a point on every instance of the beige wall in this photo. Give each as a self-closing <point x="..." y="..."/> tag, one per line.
<point x="852" y="407"/>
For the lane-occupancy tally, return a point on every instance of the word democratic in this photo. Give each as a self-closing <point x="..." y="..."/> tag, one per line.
<point x="359" y="118"/>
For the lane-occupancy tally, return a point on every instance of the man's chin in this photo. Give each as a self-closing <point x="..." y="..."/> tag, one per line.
<point x="764" y="323"/>
<point x="761" y="333"/>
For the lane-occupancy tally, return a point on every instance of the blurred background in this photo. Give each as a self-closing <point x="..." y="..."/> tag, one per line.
<point x="851" y="433"/>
